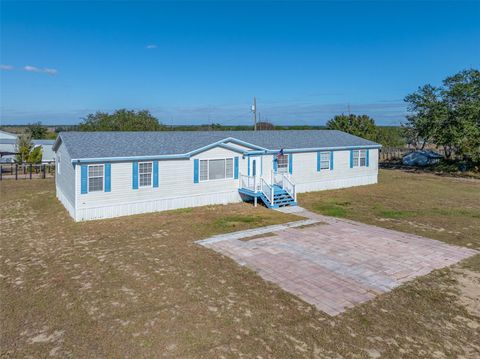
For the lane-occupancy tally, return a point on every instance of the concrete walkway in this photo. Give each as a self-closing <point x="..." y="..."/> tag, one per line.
<point x="333" y="263"/>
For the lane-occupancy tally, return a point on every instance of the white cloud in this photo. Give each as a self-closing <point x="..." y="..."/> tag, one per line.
<point x="37" y="69"/>
<point x="50" y="71"/>
<point x="31" y="68"/>
<point x="6" y="67"/>
<point x="151" y="46"/>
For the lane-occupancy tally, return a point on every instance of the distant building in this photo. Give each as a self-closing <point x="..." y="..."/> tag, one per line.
<point x="8" y="148"/>
<point x="7" y="135"/>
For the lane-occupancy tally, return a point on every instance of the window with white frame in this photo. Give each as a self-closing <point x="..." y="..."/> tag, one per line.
<point x="145" y="174"/>
<point x="58" y="163"/>
<point x="282" y="164"/>
<point x="216" y="169"/>
<point x="95" y="178"/>
<point x="324" y="160"/>
<point x="359" y="158"/>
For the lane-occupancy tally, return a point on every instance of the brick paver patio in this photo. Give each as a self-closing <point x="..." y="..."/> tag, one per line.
<point x="335" y="264"/>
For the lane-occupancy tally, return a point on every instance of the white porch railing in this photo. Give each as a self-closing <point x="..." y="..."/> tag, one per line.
<point x="276" y="178"/>
<point x="259" y="184"/>
<point x="289" y="185"/>
<point x="267" y="190"/>
<point x="248" y="182"/>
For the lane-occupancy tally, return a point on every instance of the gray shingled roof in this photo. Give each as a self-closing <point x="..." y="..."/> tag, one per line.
<point x="128" y="144"/>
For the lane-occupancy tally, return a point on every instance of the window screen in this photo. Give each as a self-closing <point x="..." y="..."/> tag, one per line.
<point x="363" y="158"/>
<point x="229" y="168"/>
<point x="95" y="178"/>
<point x="359" y="158"/>
<point x="324" y="160"/>
<point x="216" y="169"/>
<point x="145" y="174"/>
<point x="282" y="163"/>
<point x="203" y="170"/>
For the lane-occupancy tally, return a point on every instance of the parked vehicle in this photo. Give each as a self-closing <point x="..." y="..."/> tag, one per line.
<point x="421" y="158"/>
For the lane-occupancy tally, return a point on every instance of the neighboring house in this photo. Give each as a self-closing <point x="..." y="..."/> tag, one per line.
<point x="47" y="149"/>
<point x="421" y="158"/>
<point x="7" y="151"/>
<point x="111" y="174"/>
<point x="9" y="148"/>
<point x="7" y="135"/>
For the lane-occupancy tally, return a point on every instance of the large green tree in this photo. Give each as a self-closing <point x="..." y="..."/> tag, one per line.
<point x="362" y="126"/>
<point x="426" y="110"/>
<point x="447" y="116"/>
<point x="459" y="130"/>
<point x="37" y="131"/>
<point x="121" y="120"/>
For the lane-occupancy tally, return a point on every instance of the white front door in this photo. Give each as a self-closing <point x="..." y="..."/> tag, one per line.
<point x="255" y="167"/>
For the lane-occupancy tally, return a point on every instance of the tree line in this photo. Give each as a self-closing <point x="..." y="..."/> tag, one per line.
<point x="447" y="116"/>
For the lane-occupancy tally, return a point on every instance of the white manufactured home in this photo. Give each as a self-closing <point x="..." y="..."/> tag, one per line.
<point x="111" y="174"/>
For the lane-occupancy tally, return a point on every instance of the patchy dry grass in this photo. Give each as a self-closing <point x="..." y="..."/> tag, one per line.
<point x="139" y="287"/>
<point x="444" y="208"/>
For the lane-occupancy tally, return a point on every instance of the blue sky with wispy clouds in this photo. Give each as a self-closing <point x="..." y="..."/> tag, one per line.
<point x="196" y="62"/>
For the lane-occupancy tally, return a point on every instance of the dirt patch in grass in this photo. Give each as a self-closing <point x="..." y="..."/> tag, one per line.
<point x="318" y="224"/>
<point x="468" y="285"/>
<point x="237" y="221"/>
<point x="258" y="236"/>
<point x="139" y="286"/>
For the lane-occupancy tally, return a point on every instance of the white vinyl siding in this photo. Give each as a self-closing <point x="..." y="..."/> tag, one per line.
<point x="359" y="158"/>
<point x="179" y="191"/>
<point x="282" y="164"/>
<point x="95" y="178"/>
<point x="216" y="169"/>
<point x="65" y="180"/>
<point x="324" y="160"/>
<point x="145" y="174"/>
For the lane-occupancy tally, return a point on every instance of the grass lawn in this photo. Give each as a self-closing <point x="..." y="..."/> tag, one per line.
<point x="443" y="208"/>
<point x="140" y="287"/>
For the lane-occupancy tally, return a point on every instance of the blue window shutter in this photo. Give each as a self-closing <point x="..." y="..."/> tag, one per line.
<point x="135" y="175"/>
<point x="84" y="181"/>
<point x="290" y="163"/>
<point x="351" y="158"/>
<point x="331" y="160"/>
<point x="196" y="164"/>
<point x="367" y="157"/>
<point x="275" y="164"/>
<point x="108" y="177"/>
<point x="155" y="173"/>
<point x="318" y="161"/>
<point x="235" y="168"/>
<point x="248" y="166"/>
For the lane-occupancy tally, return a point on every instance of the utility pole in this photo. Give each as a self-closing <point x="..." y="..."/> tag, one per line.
<point x="254" y="111"/>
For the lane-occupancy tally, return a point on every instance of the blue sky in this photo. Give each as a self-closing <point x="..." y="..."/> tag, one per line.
<point x="196" y="62"/>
